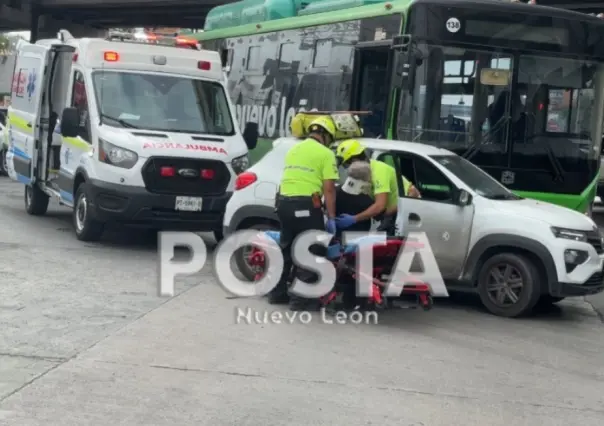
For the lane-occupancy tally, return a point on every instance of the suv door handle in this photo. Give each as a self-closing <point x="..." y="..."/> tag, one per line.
<point x="29" y="124"/>
<point x="414" y="217"/>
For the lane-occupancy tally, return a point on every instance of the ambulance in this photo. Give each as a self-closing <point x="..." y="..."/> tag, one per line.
<point x="126" y="133"/>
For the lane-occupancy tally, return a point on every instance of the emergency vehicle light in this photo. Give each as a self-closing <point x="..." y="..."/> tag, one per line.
<point x="167" y="172"/>
<point x="111" y="56"/>
<point x="207" y="174"/>
<point x="204" y="65"/>
<point x="75" y="57"/>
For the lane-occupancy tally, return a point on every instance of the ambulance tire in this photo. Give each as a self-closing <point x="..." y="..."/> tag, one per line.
<point x="36" y="201"/>
<point x="86" y="227"/>
<point x="3" y="165"/>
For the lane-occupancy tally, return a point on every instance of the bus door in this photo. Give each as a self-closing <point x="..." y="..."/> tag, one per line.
<point x="371" y="84"/>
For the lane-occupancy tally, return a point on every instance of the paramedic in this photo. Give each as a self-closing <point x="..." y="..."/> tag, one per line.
<point x="384" y="183"/>
<point x="310" y="172"/>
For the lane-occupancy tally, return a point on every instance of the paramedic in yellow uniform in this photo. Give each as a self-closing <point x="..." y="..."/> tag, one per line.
<point x="384" y="183"/>
<point x="311" y="172"/>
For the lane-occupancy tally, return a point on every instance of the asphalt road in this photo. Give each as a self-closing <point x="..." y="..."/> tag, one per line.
<point x="84" y="340"/>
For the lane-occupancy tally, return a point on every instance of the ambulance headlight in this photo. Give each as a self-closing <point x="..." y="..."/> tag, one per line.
<point x="240" y="164"/>
<point x="116" y="156"/>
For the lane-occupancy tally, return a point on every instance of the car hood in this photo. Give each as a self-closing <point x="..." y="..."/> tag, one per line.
<point x="550" y="213"/>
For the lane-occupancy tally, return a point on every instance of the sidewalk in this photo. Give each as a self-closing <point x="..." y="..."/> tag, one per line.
<point x="188" y="363"/>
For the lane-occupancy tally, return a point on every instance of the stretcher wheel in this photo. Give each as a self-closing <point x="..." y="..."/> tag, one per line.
<point x="426" y="302"/>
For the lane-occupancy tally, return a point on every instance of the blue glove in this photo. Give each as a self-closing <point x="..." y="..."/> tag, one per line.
<point x="345" y="221"/>
<point x="331" y="226"/>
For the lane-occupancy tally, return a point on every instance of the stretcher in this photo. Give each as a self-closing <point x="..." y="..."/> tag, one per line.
<point x="385" y="254"/>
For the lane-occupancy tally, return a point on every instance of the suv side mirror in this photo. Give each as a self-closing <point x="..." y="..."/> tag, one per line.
<point x="250" y="135"/>
<point x="70" y="123"/>
<point x="464" y="198"/>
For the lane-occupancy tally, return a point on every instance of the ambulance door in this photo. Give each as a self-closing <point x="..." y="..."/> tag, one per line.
<point x="75" y="150"/>
<point x="24" y="115"/>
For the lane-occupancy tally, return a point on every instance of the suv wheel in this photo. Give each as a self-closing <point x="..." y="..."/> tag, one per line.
<point x="241" y="255"/>
<point x="508" y="285"/>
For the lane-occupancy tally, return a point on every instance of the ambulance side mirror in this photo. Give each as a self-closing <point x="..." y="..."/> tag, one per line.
<point x="70" y="123"/>
<point x="250" y="135"/>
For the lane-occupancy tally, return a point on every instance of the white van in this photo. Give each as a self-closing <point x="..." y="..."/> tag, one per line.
<point x="143" y="134"/>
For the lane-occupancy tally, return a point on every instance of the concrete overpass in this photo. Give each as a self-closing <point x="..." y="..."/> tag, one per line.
<point x="87" y="18"/>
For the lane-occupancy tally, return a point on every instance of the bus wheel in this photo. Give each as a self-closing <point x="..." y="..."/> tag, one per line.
<point x="508" y="285"/>
<point x="36" y="201"/>
<point x="86" y="228"/>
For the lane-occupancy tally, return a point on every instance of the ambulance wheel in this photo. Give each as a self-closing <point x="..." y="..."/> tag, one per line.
<point x="86" y="228"/>
<point x="36" y="201"/>
<point x="3" y="164"/>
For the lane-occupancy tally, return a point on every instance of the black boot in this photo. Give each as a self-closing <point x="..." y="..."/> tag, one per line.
<point x="278" y="297"/>
<point x="297" y="303"/>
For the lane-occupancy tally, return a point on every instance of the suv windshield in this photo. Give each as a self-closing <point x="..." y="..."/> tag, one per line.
<point x="476" y="179"/>
<point x="162" y="103"/>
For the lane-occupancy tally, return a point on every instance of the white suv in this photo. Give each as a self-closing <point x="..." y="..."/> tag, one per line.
<point x="513" y="252"/>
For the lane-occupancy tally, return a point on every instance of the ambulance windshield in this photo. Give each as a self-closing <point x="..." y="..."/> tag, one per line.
<point x="162" y="103"/>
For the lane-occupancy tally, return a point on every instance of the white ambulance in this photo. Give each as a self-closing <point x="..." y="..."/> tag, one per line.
<point x="125" y="133"/>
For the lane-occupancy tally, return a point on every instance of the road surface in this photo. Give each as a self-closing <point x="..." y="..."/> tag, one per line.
<point x="84" y="340"/>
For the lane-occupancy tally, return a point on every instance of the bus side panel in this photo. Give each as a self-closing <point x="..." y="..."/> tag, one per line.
<point x="273" y="76"/>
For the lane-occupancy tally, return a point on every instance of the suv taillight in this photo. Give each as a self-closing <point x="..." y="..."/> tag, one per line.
<point x="244" y="180"/>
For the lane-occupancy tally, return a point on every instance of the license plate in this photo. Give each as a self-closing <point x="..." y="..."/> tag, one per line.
<point x="188" y="204"/>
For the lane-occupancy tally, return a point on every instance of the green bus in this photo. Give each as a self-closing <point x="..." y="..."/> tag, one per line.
<point x="515" y="88"/>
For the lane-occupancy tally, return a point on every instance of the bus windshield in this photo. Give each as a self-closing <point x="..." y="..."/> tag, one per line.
<point x="161" y="102"/>
<point x="546" y="111"/>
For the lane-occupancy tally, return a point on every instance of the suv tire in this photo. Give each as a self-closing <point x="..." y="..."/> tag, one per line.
<point x="509" y="285"/>
<point x="241" y="254"/>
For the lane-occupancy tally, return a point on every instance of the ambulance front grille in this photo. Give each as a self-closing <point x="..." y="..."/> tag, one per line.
<point x="180" y="185"/>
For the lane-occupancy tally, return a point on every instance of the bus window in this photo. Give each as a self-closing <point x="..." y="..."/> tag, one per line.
<point x="287" y="55"/>
<point x="322" y="54"/>
<point x="253" y="58"/>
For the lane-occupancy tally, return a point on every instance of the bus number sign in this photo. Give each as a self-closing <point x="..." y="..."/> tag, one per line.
<point x="453" y="25"/>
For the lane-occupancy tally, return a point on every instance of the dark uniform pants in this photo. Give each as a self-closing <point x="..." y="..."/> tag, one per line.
<point x="388" y="225"/>
<point x="297" y="215"/>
